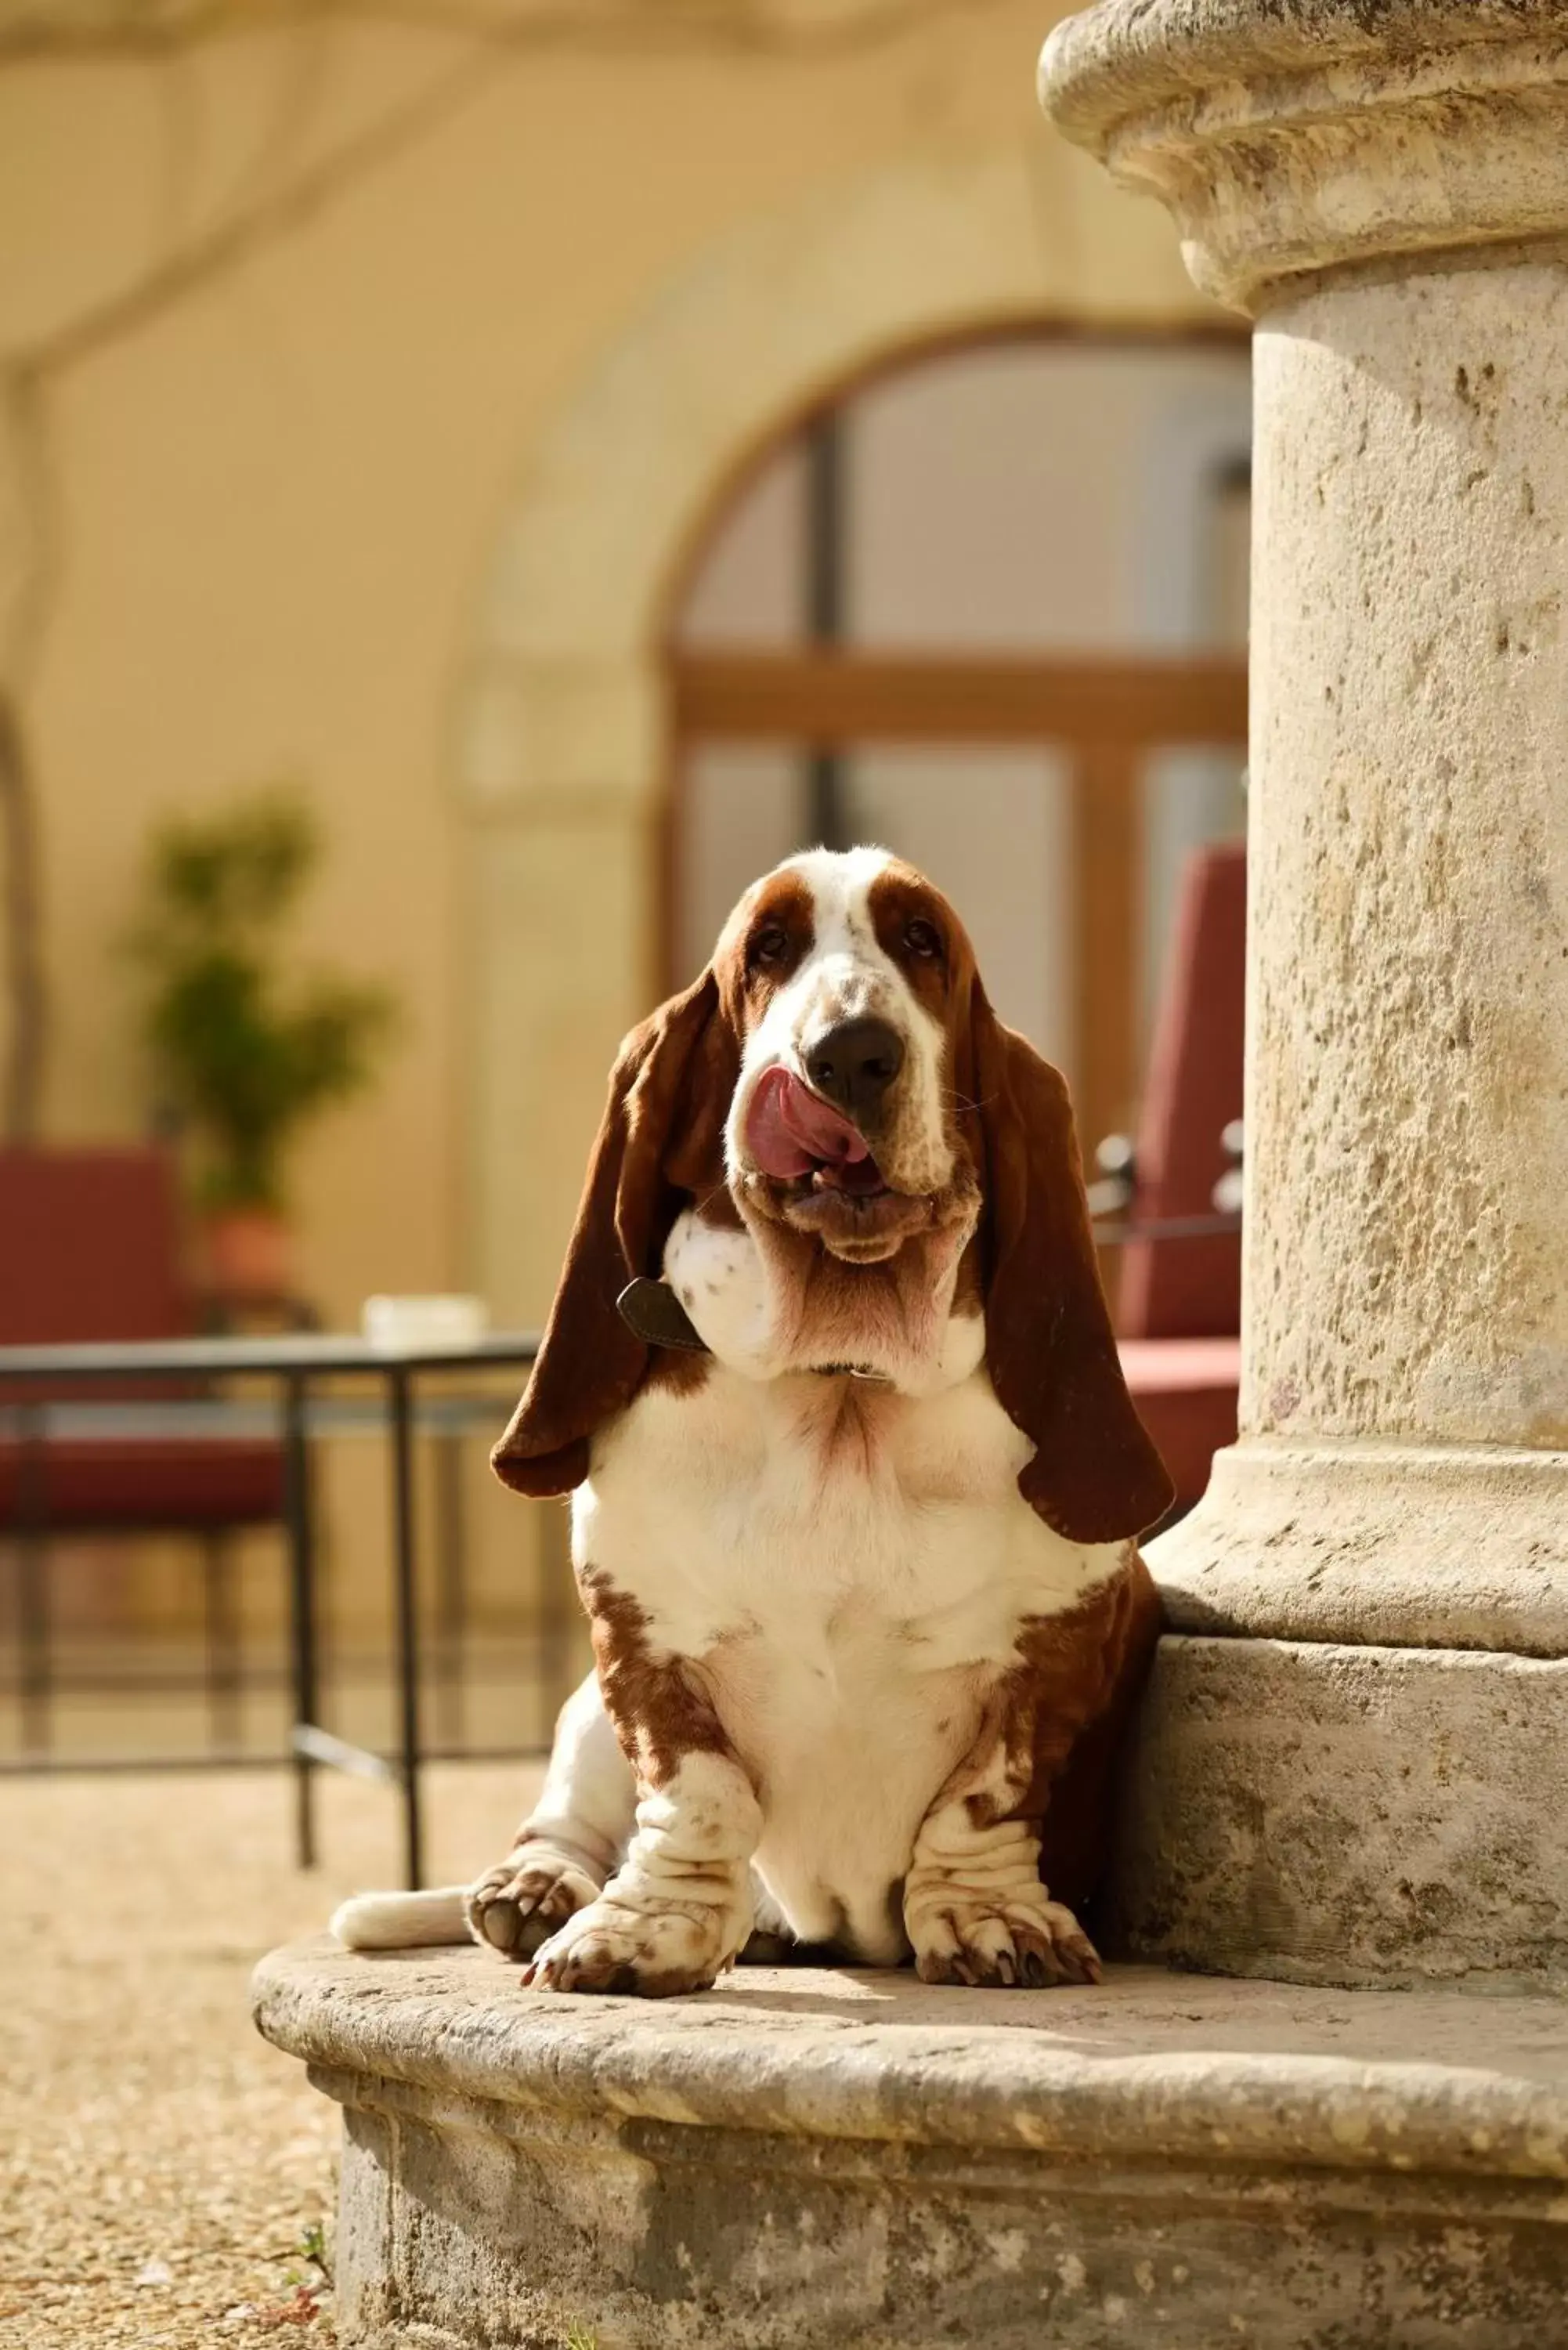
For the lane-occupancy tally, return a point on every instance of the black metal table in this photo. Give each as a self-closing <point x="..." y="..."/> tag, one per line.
<point x="294" y="1362"/>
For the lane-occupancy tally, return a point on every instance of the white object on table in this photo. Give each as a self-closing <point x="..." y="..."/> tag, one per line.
<point x="401" y="1326"/>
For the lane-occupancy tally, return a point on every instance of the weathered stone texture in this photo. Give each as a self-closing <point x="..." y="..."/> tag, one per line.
<point x="1349" y="1815"/>
<point x="1408" y="1023"/>
<point x="1459" y="1546"/>
<point x="821" y="2161"/>
<point x="1290" y="137"/>
<point x="1406" y="1277"/>
<point x="1384" y="184"/>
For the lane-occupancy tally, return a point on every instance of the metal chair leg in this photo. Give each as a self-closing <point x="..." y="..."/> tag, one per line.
<point x="302" y="1605"/>
<point x="35" y="1644"/>
<point x="34" y="1628"/>
<point x="221" y="1642"/>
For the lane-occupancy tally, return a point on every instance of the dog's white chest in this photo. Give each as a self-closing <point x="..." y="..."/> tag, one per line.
<point x="848" y="1567"/>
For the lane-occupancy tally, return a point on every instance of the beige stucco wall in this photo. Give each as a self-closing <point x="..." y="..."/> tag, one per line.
<point x="293" y="503"/>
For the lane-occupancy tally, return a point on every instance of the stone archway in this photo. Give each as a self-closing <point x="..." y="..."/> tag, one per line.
<point x="562" y="750"/>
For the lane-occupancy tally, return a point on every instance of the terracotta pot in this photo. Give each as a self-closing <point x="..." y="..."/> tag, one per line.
<point x="247" y="1253"/>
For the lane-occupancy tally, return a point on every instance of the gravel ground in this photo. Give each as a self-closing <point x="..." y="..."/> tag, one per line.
<point x="163" y="2173"/>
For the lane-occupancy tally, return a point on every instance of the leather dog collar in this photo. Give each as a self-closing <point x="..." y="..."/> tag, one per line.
<point x="652" y="1312"/>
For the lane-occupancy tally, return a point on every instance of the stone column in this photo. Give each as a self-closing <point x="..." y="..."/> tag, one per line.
<point x="1356" y="1759"/>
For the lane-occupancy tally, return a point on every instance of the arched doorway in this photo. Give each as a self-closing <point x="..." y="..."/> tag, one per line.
<point x="566" y="710"/>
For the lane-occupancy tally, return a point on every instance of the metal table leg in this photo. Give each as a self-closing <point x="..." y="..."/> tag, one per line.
<point x="450" y="1591"/>
<point x="302" y="1603"/>
<point x="407" y="1631"/>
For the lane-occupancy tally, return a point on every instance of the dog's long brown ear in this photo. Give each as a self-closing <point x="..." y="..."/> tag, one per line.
<point x="660" y="1140"/>
<point x="1052" y="1353"/>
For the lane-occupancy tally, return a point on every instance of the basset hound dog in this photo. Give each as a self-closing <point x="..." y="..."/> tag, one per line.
<point x="857" y="1484"/>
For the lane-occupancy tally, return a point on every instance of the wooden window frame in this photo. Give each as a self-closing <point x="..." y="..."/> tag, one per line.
<point x="1107" y="716"/>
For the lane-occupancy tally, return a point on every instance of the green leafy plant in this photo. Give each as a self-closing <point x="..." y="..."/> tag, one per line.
<point x="242" y="1051"/>
<point x="313" y="2243"/>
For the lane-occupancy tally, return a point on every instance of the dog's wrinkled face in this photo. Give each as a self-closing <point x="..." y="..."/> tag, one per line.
<point x="841" y="975"/>
<point x="836" y="1082"/>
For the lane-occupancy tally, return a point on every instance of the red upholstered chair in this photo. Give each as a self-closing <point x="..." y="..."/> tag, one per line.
<point x="1179" y="1300"/>
<point x="90" y="1250"/>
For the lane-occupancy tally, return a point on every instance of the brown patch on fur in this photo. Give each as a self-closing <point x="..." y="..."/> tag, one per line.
<point x="1050" y="1347"/>
<point x="677" y="1370"/>
<point x="969" y="1297"/>
<point x="1057" y="1723"/>
<point x="946" y="988"/>
<point x="660" y="1141"/>
<point x="658" y="1709"/>
<point x="748" y="983"/>
<point x="900" y="896"/>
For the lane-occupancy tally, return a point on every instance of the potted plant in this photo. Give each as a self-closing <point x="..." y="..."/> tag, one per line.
<point x="244" y="1052"/>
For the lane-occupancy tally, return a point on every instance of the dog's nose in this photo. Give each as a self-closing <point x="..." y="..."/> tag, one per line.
<point x="854" y="1064"/>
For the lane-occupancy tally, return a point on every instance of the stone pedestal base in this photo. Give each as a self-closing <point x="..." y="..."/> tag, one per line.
<point x="1337" y="1814"/>
<point x="824" y="2161"/>
<point x="1403" y="1546"/>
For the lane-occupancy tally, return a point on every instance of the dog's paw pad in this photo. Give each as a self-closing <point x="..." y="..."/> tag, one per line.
<point x="518" y="1905"/>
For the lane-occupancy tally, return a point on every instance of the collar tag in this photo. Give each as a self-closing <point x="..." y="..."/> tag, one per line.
<point x="652" y="1312"/>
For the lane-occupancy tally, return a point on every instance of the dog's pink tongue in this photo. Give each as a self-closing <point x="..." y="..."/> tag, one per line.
<point x="790" y="1130"/>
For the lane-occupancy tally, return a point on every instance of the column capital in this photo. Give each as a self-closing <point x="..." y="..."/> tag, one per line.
<point x="1291" y="136"/>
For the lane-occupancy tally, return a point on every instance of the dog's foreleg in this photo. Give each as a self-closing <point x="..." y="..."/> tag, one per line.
<point x="575" y="1835"/>
<point x="677" y="1910"/>
<point x="974" y="1907"/>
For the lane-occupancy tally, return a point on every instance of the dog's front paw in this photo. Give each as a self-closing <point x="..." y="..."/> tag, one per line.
<point x="519" y="1904"/>
<point x="654" y="1953"/>
<point x="1009" y="1941"/>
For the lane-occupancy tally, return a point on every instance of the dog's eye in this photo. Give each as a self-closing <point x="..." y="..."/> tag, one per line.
<point x="924" y="940"/>
<point x="771" y="944"/>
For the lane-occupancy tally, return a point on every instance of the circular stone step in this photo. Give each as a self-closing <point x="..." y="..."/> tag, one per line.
<point x="824" y="2160"/>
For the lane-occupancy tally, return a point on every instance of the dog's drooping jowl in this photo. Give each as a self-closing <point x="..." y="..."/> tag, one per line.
<point x="855" y="1484"/>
